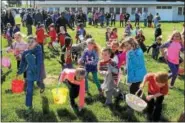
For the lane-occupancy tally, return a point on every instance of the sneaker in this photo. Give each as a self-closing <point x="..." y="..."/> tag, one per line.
<point x="171" y="87"/>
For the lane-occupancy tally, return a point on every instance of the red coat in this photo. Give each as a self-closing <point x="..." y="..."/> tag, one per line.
<point x="53" y="35"/>
<point x="40" y="35"/>
<point x="61" y="39"/>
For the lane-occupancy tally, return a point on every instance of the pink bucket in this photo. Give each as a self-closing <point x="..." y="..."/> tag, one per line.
<point x="6" y="62"/>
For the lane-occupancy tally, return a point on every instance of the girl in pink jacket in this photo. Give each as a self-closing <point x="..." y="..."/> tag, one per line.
<point x="174" y="46"/>
<point x="75" y="80"/>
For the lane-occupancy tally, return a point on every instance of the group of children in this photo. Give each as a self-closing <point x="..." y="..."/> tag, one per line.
<point x="128" y="53"/>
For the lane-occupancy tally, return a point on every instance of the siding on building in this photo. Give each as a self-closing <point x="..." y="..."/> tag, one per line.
<point x="169" y="15"/>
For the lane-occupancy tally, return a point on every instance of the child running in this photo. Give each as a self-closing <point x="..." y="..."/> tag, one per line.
<point x="75" y="80"/>
<point x="140" y="39"/>
<point x="110" y="71"/>
<point x="155" y="48"/>
<point x="90" y="58"/>
<point x="135" y="64"/>
<point x="52" y="34"/>
<point x="174" y="47"/>
<point x="157" y="89"/>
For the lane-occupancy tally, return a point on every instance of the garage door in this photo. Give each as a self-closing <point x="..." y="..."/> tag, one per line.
<point x="165" y="12"/>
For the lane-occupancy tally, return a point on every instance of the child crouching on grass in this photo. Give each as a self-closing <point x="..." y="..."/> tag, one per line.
<point x="75" y="80"/>
<point x="157" y="89"/>
<point x="110" y="71"/>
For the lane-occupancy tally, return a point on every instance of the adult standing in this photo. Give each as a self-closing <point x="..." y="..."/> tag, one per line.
<point x="90" y="15"/>
<point x="107" y="16"/>
<point x="38" y="18"/>
<point x="29" y="23"/>
<point x="55" y="16"/>
<point x="113" y="19"/>
<point x="145" y="15"/>
<point x="9" y="18"/>
<point x="44" y="15"/>
<point x="102" y="17"/>
<point x="137" y="18"/>
<point x="150" y="18"/>
<point x="127" y="16"/>
<point x="157" y="18"/>
<point x="72" y="20"/>
<point x="48" y="22"/>
<point x="84" y="15"/>
<point x="61" y="21"/>
<point x="3" y="22"/>
<point x="121" y="19"/>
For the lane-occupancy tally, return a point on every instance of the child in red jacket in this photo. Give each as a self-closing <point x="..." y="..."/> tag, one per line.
<point x="40" y="36"/>
<point x="62" y="35"/>
<point x="52" y="33"/>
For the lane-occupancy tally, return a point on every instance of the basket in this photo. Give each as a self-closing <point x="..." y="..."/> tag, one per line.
<point x="55" y="45"/>
<point x="60" y="95"/>
<point x="136" y="102"/>
<point x="17" y="86"/>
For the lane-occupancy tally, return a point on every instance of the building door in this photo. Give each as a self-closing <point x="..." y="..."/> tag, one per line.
<point x="165" y="12"/>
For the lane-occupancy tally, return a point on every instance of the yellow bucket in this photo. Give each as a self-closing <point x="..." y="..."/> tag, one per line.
<point x="60" y="97"/>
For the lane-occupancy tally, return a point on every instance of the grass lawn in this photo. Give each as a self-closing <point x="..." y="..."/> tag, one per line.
<point x="13" y="105"/>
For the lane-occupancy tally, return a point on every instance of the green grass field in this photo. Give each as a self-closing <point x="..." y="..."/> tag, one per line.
<point x="13" y="105"/>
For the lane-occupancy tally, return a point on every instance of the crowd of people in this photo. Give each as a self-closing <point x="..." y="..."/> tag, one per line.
<point x="125" y="56"/>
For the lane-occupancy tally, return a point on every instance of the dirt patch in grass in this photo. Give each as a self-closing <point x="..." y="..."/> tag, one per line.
<point x="51" y="79"/>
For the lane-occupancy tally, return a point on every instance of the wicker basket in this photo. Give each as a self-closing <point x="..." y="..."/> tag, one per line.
<point x="136" y="102"/>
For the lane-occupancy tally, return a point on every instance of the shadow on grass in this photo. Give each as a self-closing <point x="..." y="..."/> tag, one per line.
<point x="181" y="77"/>
<point x="179" y="90"/>
<point x="125" y="113"/>
<point x="92" y="99"/>
<point x="87" y="116"/>
<point x="45" y="116"/>
<point x="3" y="76"/>
<point x="66" y="115"/>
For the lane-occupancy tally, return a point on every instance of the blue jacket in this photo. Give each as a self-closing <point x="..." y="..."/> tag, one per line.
<point x="37" y="51"/>
<point x="136" y="69"/>
<point x="28" y="64"/>
<point x="90" y="58"/>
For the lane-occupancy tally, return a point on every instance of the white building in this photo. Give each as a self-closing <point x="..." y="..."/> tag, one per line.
<point x="169" y="11"/>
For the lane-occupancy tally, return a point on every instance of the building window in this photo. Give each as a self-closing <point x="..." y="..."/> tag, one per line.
<point x="117" y="10"/>
<point x="67" y="8"/>
<point x="139" y="10"/>
<point x="179" y="10"/>
<point x="95" y="9"/>
<point x="164" y="7"/>
<point x="73" y="9"/>
<point x="89" y="9"/>
<point x="133" y="11"/>
<point x="184" y="11"/>
<point x="145" y="9"/>
<point x="169" y="7"/>
<point x="158" y="7"/>
<point x="111" y="10"/>
<point x="124" y="10"/>
<point x="102" y="10"/>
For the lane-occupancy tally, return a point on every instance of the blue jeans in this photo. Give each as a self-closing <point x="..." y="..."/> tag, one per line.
<point x="29" y="91"/>
<point x="95" y="79"/>
<point x="174" y="72"/>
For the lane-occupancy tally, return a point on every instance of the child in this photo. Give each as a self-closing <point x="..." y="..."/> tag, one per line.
<point x="30" y="64"/>
<point x="140" y="39"/>
<point x="115" y="51"/>
<point x="155" y="48"/>
<point x="62" y="35"/>
<point x="80" y="32"/>
<point x="157" y="89"/>
<point x="90" y="58"/>
<point x="113" y="35"/>
<point x="107" y="34"/>
<point x="52" y="34"/>
<point x="66" y="56"/>
<point x="75" y="80"/>
<point x="9" y="33"/>
<point x="128" y="28"/>
<point x="174" y="47"/>
<point x="40" y="36"/>
<point x="16" y="28"/>
<point x="135" y="64"/>
<point x="158" y="31"/>
<point x="110" y="71"/>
